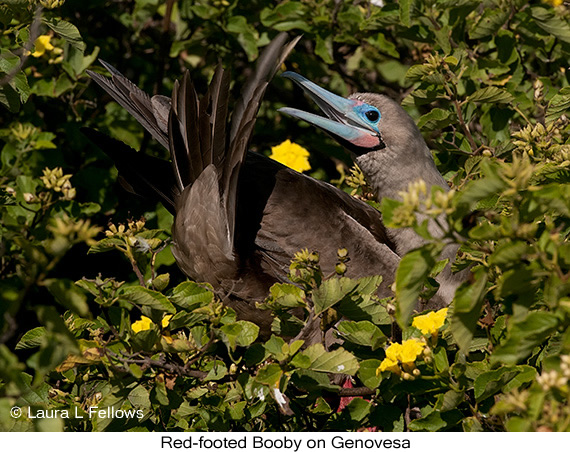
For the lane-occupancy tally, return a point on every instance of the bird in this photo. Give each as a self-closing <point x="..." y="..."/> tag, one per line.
<point x="240" y="217"/>
<point x="386" y="144"/>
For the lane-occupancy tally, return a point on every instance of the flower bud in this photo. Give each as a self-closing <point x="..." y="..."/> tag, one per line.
<point x="51" y="4"/>
<point x="340" y="268"/>
<point x="314" y="258"/>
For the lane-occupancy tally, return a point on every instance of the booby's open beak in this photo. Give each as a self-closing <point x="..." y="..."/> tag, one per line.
<point x="343" y="122"/>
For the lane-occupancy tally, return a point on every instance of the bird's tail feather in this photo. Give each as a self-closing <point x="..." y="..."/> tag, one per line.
<point x="150" y="112"/>
<point x="198" y="133"/>
<point x="194" y="130"/>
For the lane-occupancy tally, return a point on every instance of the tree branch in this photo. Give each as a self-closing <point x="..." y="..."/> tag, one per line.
<point x="34" y="33"/>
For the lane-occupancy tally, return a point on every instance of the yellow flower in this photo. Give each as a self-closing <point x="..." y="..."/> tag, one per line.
<point x="389" y="365"/>
<point x="142" y="325"/>
<point x="291" y="155"/>
<point x="405" y="353"/>
<point x="166" y="320"/>
<point x="554" y="2"/>
<point x="393" y="351"/>
<point x="411" y="349"/>
<point x="42" y="44"/>
<point x="430" y="323"/>
<point x="145" y="323"/>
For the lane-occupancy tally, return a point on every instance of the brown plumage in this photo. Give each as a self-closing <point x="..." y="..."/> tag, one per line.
<point x="239" y="220"/>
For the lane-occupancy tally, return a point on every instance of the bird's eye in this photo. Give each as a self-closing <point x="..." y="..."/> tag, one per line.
<point x="372" y="115"/>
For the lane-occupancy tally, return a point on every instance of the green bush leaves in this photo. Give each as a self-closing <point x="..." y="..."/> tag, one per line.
<point x="488" y="85"/>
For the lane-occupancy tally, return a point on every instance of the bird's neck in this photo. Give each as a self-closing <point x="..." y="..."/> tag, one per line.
<point x="390" y="172"/>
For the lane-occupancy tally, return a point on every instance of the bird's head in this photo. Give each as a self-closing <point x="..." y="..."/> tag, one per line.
<point x="362" y="123"/>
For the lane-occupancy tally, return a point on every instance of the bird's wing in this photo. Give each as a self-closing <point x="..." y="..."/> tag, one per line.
<point x="291" y="211"/>
<point x="150" y="112"/>
<point x="207" y="164"/>
<point x="244" y="114"/>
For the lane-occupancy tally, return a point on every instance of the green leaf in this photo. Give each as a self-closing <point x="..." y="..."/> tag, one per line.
<point x="472" y="424"/>
<point x="405" y="8"/>
<point x="358" y="409"/>
<point x="524" y="336"/>
<point x="32" y="394"/>
<point x="384" y="45"/>
<point x="287" y="296"/>
<point x="49" y="425"/>
<point x="436" y="420"/>
<point x="284" y="15"/>
<point x="508" y="253"/>
<point x="321" y="406"/>
<point x="467" y="305"/>
<point x="269" y="375"/>
<point x="487" y="186"/>
<point x="68" y="295"/>
<point x="136" y="370"/>
<point x="442" y="36"/>
<point x="67" y="31"/>
<point x="440" y="361"/>
<point x="324" y="49"/>
<point x="32" y="338"/>
<point x="489" y="23"/>
<point x="146" y="297"/>
<point x="411" y="275"/>
<point x="436" y="119"/>
<point x="489" y="383"/>
<point x="241" y="333"/>
<point x="78" y="61"/>
<point x="236" y="411"/>
<point x="418" y="72"/>
<point x="106" y="244"/>
<point x="387" y="207"/>
<point x="161" y="282"/>
<point x="362" y="333"/>
<point x="18" y="82"/>
<point x="331" y="291"/>
<point x="140" y="397"/>
<point x="277" y="347"/>
<point x="366" y="308"/>
<point x="551" y="23"/>
<point x="338" y="361"/>
<point x="247" y="35"/>
<point x="9" y="98"/>
<point x="558" y="105"/>
<point x="367" y="373"/>
<point x="491" y="94"/>
<point x="216" y="370"/>
<point x="190" y="295"/>
<point x="368" y="285"/>
<point x="526" y="375"/>
<point x="450" y="400"/>
<point x="518" y="424"/>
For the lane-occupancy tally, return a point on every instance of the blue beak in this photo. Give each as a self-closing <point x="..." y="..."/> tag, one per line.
<point x="342" y="121"/>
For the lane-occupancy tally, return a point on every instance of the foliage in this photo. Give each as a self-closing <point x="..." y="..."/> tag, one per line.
<point x="84" y="330"/>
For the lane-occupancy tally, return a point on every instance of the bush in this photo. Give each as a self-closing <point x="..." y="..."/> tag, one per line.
<point x="82" y="330"/>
